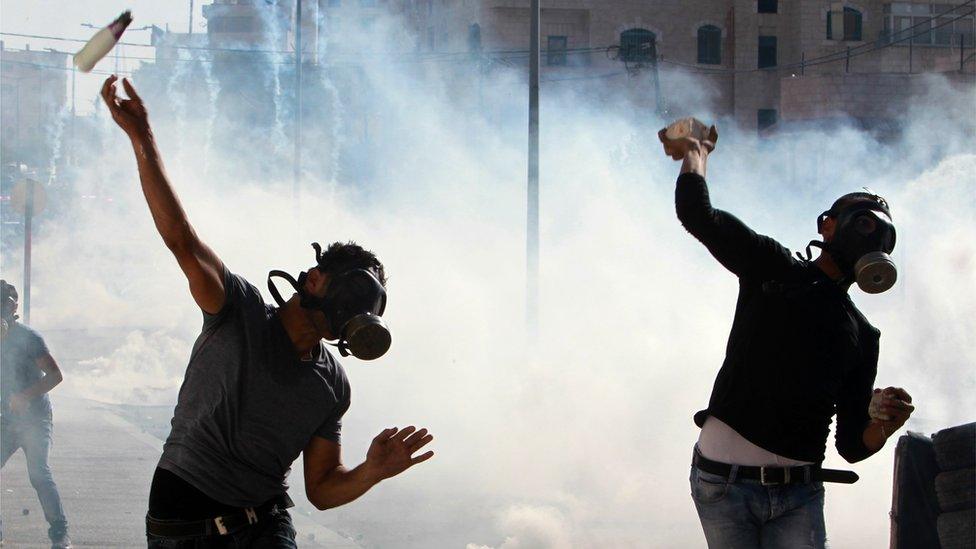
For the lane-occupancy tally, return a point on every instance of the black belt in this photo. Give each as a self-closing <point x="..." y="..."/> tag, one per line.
<point x="768" y="475"/>
<point x="217" y="526"/>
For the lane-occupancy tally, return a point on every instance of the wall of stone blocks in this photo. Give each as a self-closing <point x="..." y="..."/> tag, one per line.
<point x="871" y="97"/>
<point x="799" y="26"/>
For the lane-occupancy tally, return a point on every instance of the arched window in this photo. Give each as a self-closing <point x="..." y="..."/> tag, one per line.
<point x="709" y="45"/>
<point x="848" y="23"/>
<point x="637" y="45"/>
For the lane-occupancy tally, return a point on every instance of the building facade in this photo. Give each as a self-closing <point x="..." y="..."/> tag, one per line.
<point x="764" y="60"/>
<point x="33" y="100"/>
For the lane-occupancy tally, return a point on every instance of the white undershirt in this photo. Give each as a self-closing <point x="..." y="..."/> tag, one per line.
<point x="719" y="442"/>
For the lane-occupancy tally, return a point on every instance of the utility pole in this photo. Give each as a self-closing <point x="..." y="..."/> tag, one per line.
<point x="296" y="183"/>
<point x="962" y="47"/>
<point x="656" y="77"/>
<point x="532" y="202"/>
<point x="28" y="221"/>
<point x="74" y="117"/>
<point x="190" y="26"/>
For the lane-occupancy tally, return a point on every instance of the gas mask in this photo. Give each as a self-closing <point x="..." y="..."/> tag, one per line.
<point x="8" y="302"/>
<point x="863" y="237"/>
<point x="353" y="303"/>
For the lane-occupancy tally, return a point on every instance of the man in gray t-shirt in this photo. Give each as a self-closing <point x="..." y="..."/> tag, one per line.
<point x="259" y="390"/>
<point x="27" y="373"/>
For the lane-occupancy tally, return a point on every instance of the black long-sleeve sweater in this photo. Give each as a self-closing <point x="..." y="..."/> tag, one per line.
<point x="799" y="350"/>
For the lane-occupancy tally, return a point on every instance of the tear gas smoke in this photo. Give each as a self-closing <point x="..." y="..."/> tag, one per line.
<point x="585" y="441"/>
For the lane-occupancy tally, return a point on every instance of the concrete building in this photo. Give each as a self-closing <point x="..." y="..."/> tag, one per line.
<point x="33" y="100"/>
<point x="764" y="60"/>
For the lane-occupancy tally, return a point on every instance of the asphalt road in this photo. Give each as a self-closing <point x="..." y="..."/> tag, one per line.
<point x="103" y="466"/>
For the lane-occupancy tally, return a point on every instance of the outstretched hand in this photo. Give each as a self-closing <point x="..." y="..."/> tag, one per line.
<point x="391" y="452"/>
<point x="130" y="114"/>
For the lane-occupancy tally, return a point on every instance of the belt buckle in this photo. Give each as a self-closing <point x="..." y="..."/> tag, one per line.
<point x="762" y="476"/>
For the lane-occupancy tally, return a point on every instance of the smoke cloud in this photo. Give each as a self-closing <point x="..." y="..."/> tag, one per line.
<point x="585" y="439"/>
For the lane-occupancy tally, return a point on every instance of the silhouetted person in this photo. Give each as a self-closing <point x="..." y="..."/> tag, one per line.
<point x="261" y="387"/>
<point x="27" y="373"/>
<point x="799" y="352"/>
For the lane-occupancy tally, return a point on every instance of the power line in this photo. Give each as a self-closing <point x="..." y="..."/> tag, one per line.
<point x="509" y="55"/>
<point x="340" y="63"/>
<point x="136" y="44"/>
<point x="892" y="43"/>
<point x="429" y="55"/>
<point x="55" y="67"/>
<point x="842" y="55"/>
<point x="586" y="77"/>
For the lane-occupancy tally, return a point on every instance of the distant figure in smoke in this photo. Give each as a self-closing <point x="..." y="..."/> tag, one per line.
<point x="799" y="352"/>
<point x="261" y="387"/>
<point x="28" y="372"/>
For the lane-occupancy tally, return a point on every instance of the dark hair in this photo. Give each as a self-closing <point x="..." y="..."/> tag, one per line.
<point x="851" y="198"/>
<point x="343" y="256"/>
<point x="8" y="291"/>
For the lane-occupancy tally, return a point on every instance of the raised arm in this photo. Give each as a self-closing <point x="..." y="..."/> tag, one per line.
<point x="202" y="267"/>
<point x="736" y="246"/>
<point x="328" y="483"/>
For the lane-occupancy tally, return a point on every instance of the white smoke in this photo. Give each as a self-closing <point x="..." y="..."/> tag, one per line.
<point x="584" y="440"/>
<point x="533" y="528"/>
<point x="139" y="371"/>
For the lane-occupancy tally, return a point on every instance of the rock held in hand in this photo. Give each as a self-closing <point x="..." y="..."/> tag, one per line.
<point x="685" y="128"/>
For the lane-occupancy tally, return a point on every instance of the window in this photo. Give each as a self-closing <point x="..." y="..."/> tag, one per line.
<point x="921" y="33"/>
<point x="430" y="38"/>
<point x="942" y="35"/>
<point x="556" y="50"/>
<point x="766" y="6"/>
<point x="852" y="24"/>
<point x="765" y="118"/>
<point x="637" y="45"/>
<point x="709" y="45"/>
<point x="963" y="32"/>
<point x="767" y="51"/>
<point x="232" y="24"/>
<point x="474" y="37"/>
<point x="335" y="3"/>
<point x="927" y="24"/>
<point x="848" y="23"/>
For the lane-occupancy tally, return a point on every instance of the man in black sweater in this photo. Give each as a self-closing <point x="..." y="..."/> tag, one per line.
<point x="798" y="353"/>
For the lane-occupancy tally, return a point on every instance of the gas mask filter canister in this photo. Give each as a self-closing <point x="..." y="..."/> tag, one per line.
<point x="863" y="238"/>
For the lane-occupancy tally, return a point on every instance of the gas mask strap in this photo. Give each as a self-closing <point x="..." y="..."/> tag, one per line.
<point x="815" y="244"/>
<point x="274" y="291"/>
<point x="341" y="345"/>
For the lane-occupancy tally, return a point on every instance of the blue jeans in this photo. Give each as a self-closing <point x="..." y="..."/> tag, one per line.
<point x="275" y="532"/>
<point x="737" y="513"/>
<point x="34" y="436"/>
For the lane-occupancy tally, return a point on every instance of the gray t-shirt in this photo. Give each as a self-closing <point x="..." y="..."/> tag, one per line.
<point x="248" y="405"/>
<point x="19" y="352"/>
